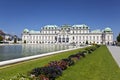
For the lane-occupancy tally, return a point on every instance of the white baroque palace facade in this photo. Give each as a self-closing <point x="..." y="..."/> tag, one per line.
<point x="79" y="34"/>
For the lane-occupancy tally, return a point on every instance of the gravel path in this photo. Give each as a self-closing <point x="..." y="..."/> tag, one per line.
<point x="115" y="51"/>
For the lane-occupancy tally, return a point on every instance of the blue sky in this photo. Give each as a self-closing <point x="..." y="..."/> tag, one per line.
<point x="15" y="15"/>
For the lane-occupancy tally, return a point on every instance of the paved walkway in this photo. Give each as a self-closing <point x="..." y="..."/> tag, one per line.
<point x="115" y="51"/>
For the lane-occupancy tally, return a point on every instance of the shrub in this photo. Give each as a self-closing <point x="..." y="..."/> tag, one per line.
<point x="92" y="48"/>
<point x="69" y="61"/>
<point x="74" y="56"/>
<point x="36" y="71"/>
<point x="62" y="64"/>
<point x="82" y="53"/>
<point x="49" y="72"/>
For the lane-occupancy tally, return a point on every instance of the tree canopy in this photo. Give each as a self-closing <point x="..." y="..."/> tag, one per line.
<point x="1" y="38"/>
<point x="118" y="38"/>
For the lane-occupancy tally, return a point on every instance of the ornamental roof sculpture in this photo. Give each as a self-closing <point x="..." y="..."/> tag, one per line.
<point x="51" y="26"/>
<point x="82" y="26"/>
<point x="34" y="32"/>
<point x="67" y="28"/>
<point x="96" y="31"/>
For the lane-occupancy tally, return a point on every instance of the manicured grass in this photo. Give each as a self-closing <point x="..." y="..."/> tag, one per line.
<point x="96" y="66"/>
<point x="9" y="71"/>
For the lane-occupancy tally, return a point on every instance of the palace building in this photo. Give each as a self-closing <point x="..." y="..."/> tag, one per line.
<point x="78" y="34"/>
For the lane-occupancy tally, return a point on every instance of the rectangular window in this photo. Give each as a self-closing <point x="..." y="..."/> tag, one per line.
<point x="79" y="37"/>
<point x="97" y="37"/>
<point x="83" y="37"/>
<point x="76" y="37"/>
<point x="93" y="37"/>
<point x="90" y="37"/>
<point x="86" y="37"/>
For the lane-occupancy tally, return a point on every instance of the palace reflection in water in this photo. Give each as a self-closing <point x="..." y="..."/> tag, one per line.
<point x="8" y="52"/>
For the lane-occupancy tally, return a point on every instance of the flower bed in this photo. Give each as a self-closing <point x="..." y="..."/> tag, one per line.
<point x="54" y="69"/>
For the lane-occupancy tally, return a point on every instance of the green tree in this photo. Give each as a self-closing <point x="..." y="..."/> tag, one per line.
<point x="1" y="38"/>
<point x="118" y="38"/>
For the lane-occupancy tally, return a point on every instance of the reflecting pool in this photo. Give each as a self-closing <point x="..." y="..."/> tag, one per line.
<point x="8" y="52"/>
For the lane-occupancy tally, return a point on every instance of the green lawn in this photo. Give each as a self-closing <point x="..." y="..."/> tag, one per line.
<point x="9" y="71"/>
<point x="96" y="66"/>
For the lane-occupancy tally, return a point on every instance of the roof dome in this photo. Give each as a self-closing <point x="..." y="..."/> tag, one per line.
<point x="25" y="30"/>
<point x="107" y="29"/>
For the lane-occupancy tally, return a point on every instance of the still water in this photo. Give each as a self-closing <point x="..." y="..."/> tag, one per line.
<point x="8" y="52"/>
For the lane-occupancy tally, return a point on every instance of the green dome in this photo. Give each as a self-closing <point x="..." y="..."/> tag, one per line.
<point x="26" y="30"/>
<point x="107" y="29"/>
